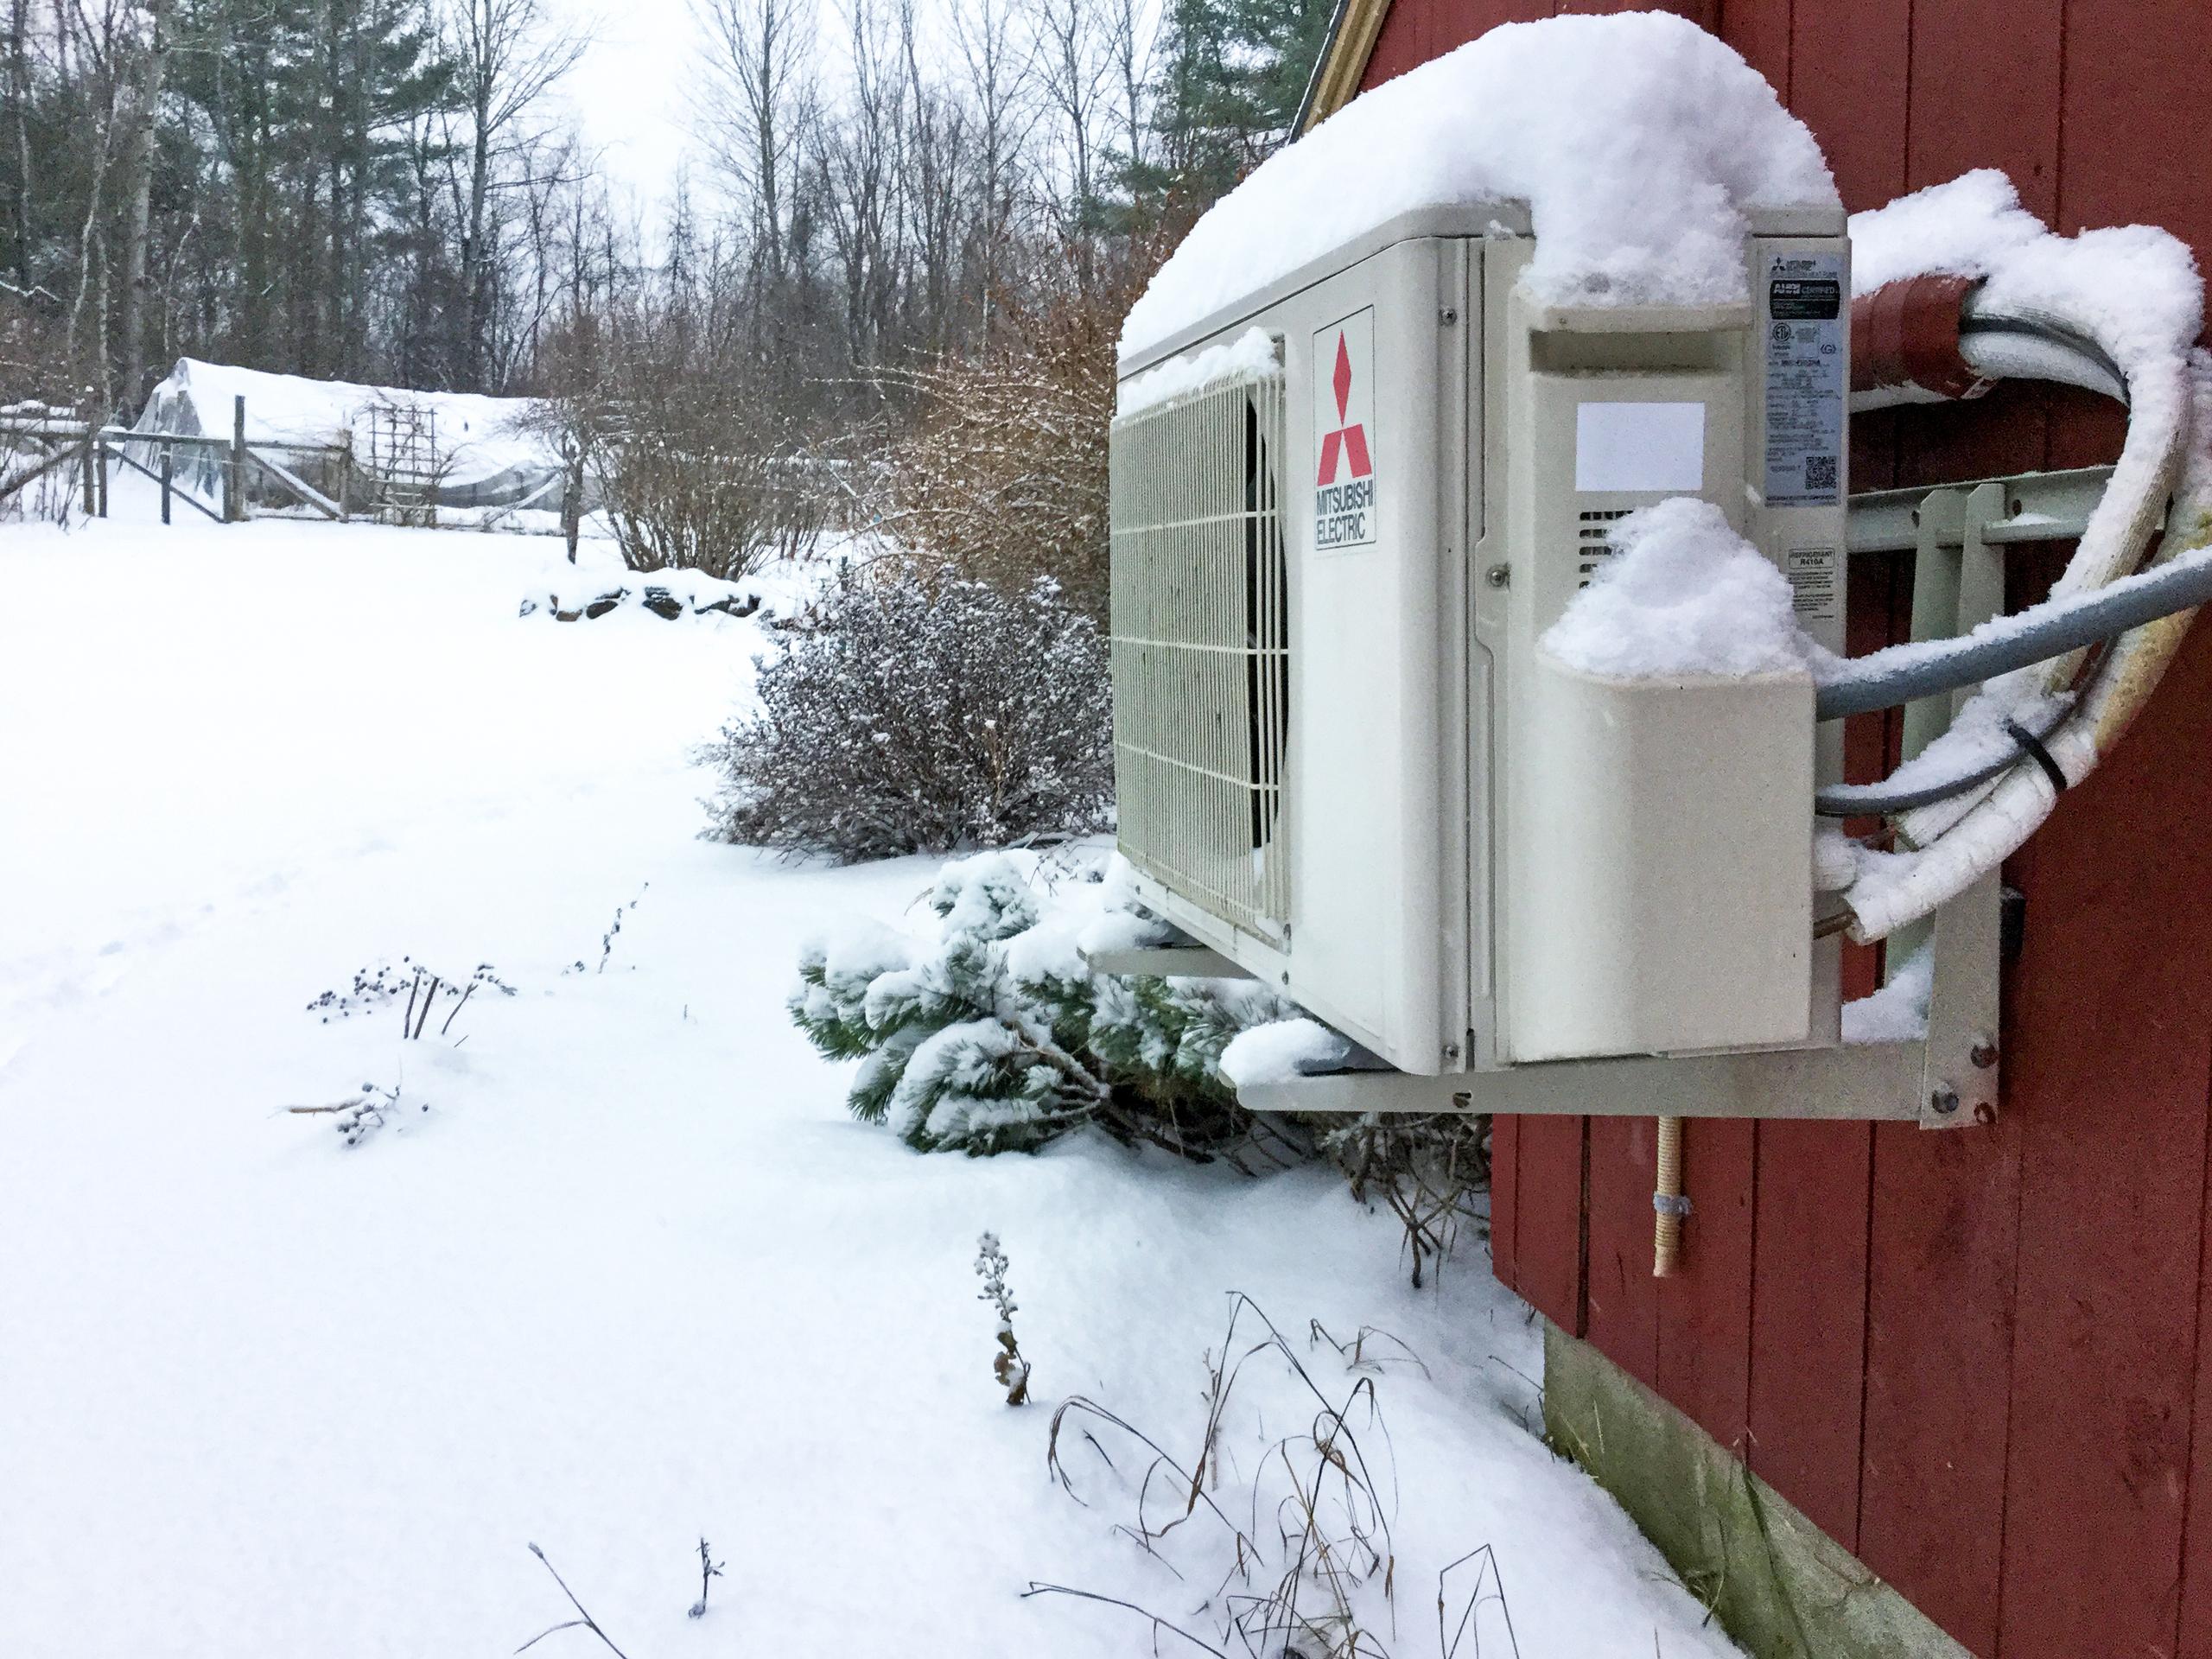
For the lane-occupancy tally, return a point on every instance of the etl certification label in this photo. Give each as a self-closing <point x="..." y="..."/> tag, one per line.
<point x="1805" y="378"/>
<point x="1343" y="434"/>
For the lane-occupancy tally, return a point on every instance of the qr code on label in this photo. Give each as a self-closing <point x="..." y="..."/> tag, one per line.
<point x="1820" y="472"/>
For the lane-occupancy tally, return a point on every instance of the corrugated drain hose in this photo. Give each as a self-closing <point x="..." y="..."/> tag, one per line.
<point x="1667" y="1203"/>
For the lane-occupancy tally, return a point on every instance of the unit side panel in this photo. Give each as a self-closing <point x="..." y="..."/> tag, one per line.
<point x="1620" y="934"/>
<point x="1489" y="651"/>
<point x="1800" y="473"/>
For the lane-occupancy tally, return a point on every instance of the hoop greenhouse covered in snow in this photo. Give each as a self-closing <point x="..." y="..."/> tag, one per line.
<point x="441" y="449"/>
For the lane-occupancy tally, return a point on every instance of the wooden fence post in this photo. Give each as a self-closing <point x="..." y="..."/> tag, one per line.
<point x="99" y="446"/>
<point x="89" y="484"/>
<point x="168" y="468"/>
<point x="234" y="474"/>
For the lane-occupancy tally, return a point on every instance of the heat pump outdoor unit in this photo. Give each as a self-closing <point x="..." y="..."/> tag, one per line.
<point x="1345" y="511"/>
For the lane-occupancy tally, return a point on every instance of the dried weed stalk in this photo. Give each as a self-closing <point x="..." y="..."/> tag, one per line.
<point x="1311" y="1567"/>
<point x="1008" y="1364"/>
<point x="583" y="1620"/>
<point x="709" y="1570"/>
<point x="1434" y="1173"/>
<point x="426" y="990"/>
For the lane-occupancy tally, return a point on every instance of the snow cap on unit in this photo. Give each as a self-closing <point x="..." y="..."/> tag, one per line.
<point x="1682" y="595"/>
<point x="1638" y="141"/>
<point x="1252" y="353"/>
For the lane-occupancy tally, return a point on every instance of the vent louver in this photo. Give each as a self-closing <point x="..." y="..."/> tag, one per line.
<point x="1201" y="648"/>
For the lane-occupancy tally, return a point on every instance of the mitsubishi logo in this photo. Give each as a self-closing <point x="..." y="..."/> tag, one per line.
<point x="1349" y="441"/>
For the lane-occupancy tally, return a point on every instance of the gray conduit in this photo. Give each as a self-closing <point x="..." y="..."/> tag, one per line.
<point x="1867" y="684"/>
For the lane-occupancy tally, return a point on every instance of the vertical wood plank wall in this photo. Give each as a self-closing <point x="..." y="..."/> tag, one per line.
<point x="1981" y="1360"/>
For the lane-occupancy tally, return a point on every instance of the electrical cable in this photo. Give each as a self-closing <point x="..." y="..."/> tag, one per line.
<point x="1880" y="800"/>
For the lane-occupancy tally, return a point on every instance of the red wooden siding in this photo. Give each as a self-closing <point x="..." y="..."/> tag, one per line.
<point x="1982" y="1360"/>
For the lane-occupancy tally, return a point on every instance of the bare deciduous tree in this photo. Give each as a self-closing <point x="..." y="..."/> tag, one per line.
<point x="507" y="54"/>
<point x="761" y="95"/>
<point x="138" y="147"/>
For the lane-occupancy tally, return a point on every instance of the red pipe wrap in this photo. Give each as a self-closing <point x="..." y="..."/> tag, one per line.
<point x="1906" y="333"/>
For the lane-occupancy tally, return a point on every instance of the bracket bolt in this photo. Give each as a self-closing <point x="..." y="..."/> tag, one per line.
<point x="1498" y="575"/>
<point x="1984" y="1056"/>
<point x="1944" y="1101"/>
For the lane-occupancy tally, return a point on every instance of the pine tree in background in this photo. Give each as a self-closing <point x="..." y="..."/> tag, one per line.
<point x="1233" y="73"/>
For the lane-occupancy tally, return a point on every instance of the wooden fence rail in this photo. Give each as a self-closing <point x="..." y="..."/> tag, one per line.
<point x="52" y="442"/>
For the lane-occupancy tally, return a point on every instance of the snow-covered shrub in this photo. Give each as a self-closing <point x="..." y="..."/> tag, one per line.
<point x="679" y="496"/>
<point x="679" y="443"/>
<point x="995" y="1036"/>
<point x="910" y="715"/>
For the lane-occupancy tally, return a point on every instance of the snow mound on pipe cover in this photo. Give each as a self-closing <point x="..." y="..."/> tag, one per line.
<point x="1637" y="141"/>
<point x="1684" y="595"/>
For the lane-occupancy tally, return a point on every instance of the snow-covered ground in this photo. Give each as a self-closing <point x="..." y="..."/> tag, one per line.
<point x="635" y="1276"/>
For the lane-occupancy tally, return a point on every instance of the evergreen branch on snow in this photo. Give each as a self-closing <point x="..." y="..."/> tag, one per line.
<point x="993" y="1037"/>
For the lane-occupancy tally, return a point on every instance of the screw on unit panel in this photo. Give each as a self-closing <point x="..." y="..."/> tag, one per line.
<point x="1984" y="1055"/>
<point x="1448" y="316"/>
<point x="1498" y="575"/>
<point x="1451" y="1050"/>
<point x="1944" y="1101"/>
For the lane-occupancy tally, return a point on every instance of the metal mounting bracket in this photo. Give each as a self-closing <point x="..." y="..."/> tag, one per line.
<point x="1177" y="957"/>
<point x="1958" y="584"/>
<point x="1949" y="1078"/>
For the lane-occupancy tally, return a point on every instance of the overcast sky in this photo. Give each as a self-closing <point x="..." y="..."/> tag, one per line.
<point x="632" y="93"/>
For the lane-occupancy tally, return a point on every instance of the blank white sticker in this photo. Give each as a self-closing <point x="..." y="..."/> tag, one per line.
<point x="1639" y="447"/>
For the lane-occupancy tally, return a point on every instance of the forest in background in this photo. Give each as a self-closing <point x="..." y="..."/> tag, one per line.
<point x="883" y="198"/>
